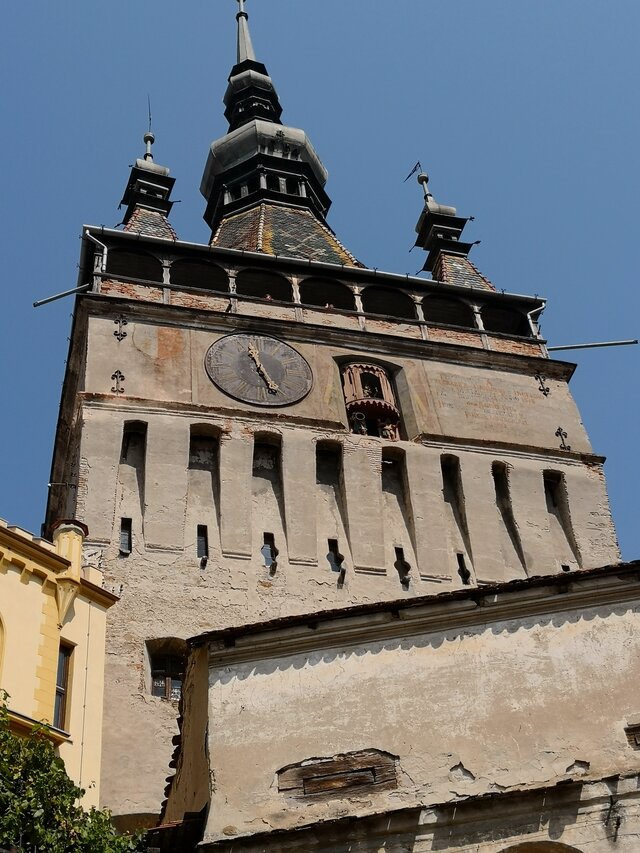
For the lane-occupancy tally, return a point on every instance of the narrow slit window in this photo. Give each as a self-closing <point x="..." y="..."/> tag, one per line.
<point x="564" y="541"/>
<point x="62" y="686"/>
<point x="335" y="558"/>
<point x="269" y="552"/>
<point x="403" y="568"/>
<point x="202" y="542"/>
<point x="336" y="561"/>
<point x="463" y="571"/>
<point x="126" y="537"/>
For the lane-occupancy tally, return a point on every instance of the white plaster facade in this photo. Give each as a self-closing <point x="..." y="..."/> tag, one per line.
<point x="493" y="703"/>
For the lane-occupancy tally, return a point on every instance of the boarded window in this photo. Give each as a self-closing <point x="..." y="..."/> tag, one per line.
<point x="354" y="773"/>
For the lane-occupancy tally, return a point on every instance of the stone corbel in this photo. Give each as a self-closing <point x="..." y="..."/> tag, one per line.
<point x="66" y="592"/>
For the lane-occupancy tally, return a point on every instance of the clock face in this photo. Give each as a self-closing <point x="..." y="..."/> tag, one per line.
<point x="258" y="369"/>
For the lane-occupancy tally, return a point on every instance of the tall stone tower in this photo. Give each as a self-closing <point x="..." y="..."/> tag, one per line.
<point x="263" y="427"/>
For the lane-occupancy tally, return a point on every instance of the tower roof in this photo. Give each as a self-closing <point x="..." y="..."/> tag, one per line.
<point x="262" y="163"/>
<point x="439" y="229"/>
<point x="147" y="196"/>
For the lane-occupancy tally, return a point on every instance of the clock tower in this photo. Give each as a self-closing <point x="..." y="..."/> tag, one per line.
<point x="263" y="427"/>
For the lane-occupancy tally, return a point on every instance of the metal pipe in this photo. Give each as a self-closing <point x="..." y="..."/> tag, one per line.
<point x="594" y="346"/>
<point x="105" y="250"/>
<point x="533" y="324"/>
<point x="81" y="289"/>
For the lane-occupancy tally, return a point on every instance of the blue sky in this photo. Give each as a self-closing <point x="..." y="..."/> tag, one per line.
<point x="524" y="113"/>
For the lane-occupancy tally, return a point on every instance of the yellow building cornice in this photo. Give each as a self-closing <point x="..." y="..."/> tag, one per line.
<point x="22" y="725"/>
<point x="30" y="554"/>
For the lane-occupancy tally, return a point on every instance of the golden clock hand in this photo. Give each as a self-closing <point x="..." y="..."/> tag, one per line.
<point x="272" y="387"/>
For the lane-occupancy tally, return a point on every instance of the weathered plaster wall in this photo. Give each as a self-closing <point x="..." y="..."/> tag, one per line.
<point x="581" y="815"/>
<point x="165" y="363"/>
<point x="477" y="414"/>
<point x="492" y="707"/>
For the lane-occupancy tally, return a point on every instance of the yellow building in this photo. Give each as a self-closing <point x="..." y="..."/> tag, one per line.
<point x="52" y="644"/>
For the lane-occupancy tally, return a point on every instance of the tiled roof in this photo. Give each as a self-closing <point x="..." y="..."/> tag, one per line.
<point x="453" y="269"/>
<point x="275" y="230"/>
<point x="151" y="223"/>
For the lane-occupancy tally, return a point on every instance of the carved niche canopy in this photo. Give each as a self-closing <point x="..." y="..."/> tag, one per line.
<point x="370" y="401"/>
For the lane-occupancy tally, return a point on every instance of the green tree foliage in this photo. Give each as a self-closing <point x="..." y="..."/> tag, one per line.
<point x="39" y="810"/>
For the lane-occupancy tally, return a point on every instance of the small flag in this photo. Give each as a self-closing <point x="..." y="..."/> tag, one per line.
<point x="416" y="168"/>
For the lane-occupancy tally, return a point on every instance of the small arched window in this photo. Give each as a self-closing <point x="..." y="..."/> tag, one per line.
<point x="507" y="321"/>
<point x="134" y="442"/>
<point x="264" y="285"/>
<point x="126" y="264"/>
<point x="167" y="662"/>
<point x="201" y="274"/>
<point x="204" y="443"/>
<point x="389" y="303"/>
<point x="324" y="293"/>
<point x="448" y="312"/>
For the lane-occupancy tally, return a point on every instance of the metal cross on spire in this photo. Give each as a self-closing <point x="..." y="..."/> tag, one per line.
<point x="245" y="47"/>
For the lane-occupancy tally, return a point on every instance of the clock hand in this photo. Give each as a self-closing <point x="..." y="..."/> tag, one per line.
<point x="272" y="387"/>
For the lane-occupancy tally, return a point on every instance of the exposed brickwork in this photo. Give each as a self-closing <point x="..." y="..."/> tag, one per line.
<point x="132" y="291"/>
<point x="393" y="327"/>
<point x="275" y="230"/>
<point x="517" y="347"/>
<point x="192" y="300"/>
<point x="453" y="269"/>
<point x="151" y="223"/>
<point x="455" y="336"/>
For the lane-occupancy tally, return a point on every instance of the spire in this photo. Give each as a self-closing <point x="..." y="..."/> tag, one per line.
<point x="147" y="195"/>
<point x="259" y="159"/>
<point x="250" y="93"/>
<point x="245" y="47"/>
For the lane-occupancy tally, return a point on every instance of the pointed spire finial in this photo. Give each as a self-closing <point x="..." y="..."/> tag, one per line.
<point x="245" y="47"/>
<point x="149" y="139"/>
